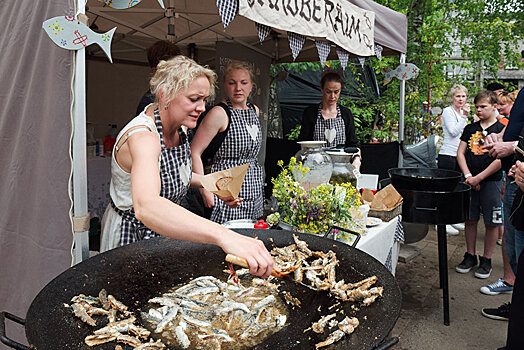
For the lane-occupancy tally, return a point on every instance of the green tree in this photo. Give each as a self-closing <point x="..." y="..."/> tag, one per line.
<point x="483" y="33"/>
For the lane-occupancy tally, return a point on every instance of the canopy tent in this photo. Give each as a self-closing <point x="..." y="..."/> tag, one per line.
<point x="197" y="25"/>
<point x="39" y="77"/>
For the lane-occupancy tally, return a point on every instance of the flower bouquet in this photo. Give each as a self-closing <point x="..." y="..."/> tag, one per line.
<point x="314" y="210"/>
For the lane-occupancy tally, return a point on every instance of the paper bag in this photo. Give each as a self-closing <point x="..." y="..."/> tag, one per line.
<point x="226" y="183"/>
<point x="386" y="198"/>
<point x="367" y="195"/>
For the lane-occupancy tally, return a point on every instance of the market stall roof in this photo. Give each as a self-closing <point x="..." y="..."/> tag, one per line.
<point x="197" y="25"/>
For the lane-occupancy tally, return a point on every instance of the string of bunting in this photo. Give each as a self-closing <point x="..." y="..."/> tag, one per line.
<point x="227" y="10"/>
<point x="262" y="31"/>
<point x="343" y="57"/>
<point x="378" y="51"/>
<point x="323" y="49"/>
<point x="296" y="41"/>
<point x="69" y="33"/>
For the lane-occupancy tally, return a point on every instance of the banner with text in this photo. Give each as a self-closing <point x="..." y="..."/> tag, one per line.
<point x="339" y="21"/>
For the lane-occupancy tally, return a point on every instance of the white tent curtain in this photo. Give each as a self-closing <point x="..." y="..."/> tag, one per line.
<point x="35" y="132"/>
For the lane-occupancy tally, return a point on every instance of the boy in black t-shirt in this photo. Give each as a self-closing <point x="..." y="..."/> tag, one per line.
<point x="483" y="174"/>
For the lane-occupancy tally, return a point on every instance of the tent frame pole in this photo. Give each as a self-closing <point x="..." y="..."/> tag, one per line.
<point x="401" y="113"/>
<point x="79" y="154"/>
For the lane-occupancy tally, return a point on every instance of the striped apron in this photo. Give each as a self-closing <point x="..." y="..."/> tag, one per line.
<point x="175" y="169"/>
<point x="240" y="146"/>
<point x="332" y="131"/>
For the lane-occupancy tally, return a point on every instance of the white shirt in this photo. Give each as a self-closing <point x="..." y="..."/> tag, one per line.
<point x="452" y="125"/>
<point x="120" y="188"/>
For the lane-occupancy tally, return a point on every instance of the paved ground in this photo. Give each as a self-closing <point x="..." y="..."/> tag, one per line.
<point x="421" y="324"/>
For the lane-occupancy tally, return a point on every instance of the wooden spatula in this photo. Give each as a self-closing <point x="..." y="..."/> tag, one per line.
<point x="243" y="262"/>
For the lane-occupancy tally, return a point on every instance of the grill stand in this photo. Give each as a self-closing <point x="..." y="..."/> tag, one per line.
<point x="441" y="209"/>
<point x="443" y="269"/>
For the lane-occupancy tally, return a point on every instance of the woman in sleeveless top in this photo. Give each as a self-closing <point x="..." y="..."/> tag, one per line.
<point x="151" y="170"/>
<point x="241" y="144"/>
<point x="329" y="121"/>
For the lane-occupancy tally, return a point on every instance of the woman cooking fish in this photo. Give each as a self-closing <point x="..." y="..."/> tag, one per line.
<point x="151" y="170"/>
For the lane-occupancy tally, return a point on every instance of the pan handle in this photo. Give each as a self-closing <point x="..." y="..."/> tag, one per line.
<point x="3" y="337"/>
<point x="354" y="233"/>
<point x="387" y="344"/>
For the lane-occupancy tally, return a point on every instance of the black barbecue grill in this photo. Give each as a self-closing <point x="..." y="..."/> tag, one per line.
<point x="433" y="196"/>
<point x="139" y="271"/>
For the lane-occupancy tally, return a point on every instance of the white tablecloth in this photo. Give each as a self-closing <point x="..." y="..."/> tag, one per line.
<point x="98" y="179"/>
<point x="383" y="242"/>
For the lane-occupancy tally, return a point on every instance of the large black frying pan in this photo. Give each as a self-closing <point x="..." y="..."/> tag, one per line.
<point x="142" y="270"/>
<point x="424" y="179"/>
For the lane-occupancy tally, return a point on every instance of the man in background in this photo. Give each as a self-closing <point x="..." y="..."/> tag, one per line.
<point x="497" y="88"/>
<point x="162" y="50"/>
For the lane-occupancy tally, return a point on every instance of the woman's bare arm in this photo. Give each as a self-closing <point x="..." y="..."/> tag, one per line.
<point x="171" y="220"/>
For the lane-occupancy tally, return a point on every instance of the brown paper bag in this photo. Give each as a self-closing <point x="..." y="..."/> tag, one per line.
<point x="386" y="198"/>
<point x="226" y="183"/>
<point x="367" y="195"/>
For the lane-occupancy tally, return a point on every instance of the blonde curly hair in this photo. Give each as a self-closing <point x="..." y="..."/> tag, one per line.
<point x="456" y="88"/>
<point x="177" y="74"/>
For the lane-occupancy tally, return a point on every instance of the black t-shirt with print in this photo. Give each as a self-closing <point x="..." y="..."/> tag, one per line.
<point x="480" y="161"/>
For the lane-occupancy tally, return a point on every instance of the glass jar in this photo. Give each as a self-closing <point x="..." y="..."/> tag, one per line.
<point x="343" y="170"/>
<point x="319" y="163"/>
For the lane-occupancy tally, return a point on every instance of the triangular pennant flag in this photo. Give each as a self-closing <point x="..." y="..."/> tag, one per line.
<point x="378" y="51"/>
<point x="296" y="41"/>
<point x="227" y="10"/>
<point x="323" y="49"/>
<point x="343" y="57"/>
<point x="362" y="60"/>
<point x="262" y="31"/>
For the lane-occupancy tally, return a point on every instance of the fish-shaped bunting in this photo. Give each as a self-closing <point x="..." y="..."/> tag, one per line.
<point x="125" y="4"/>
<point x="404" y="71"/>
<point x="68" y="33"/>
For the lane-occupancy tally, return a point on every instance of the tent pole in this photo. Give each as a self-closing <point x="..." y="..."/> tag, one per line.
<point x="81" y="239"/>
<point x="170" y="14"/>
<point x="401" y="113"/>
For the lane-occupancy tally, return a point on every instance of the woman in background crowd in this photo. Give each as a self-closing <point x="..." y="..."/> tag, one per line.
<point x="454" y="119"/>
<point x="505" y="101"/>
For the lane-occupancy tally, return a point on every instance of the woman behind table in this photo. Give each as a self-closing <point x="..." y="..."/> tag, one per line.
<point x="241" y="144"/>
<point x="329" y="121"/>
<point x="151" y="170"/>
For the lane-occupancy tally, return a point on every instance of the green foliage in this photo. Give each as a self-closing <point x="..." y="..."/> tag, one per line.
<point x="294" y="133"/>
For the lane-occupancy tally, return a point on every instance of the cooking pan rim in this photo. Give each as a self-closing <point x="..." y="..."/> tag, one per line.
<point x="450" y="177"/>
<point x="465" y="188"/>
